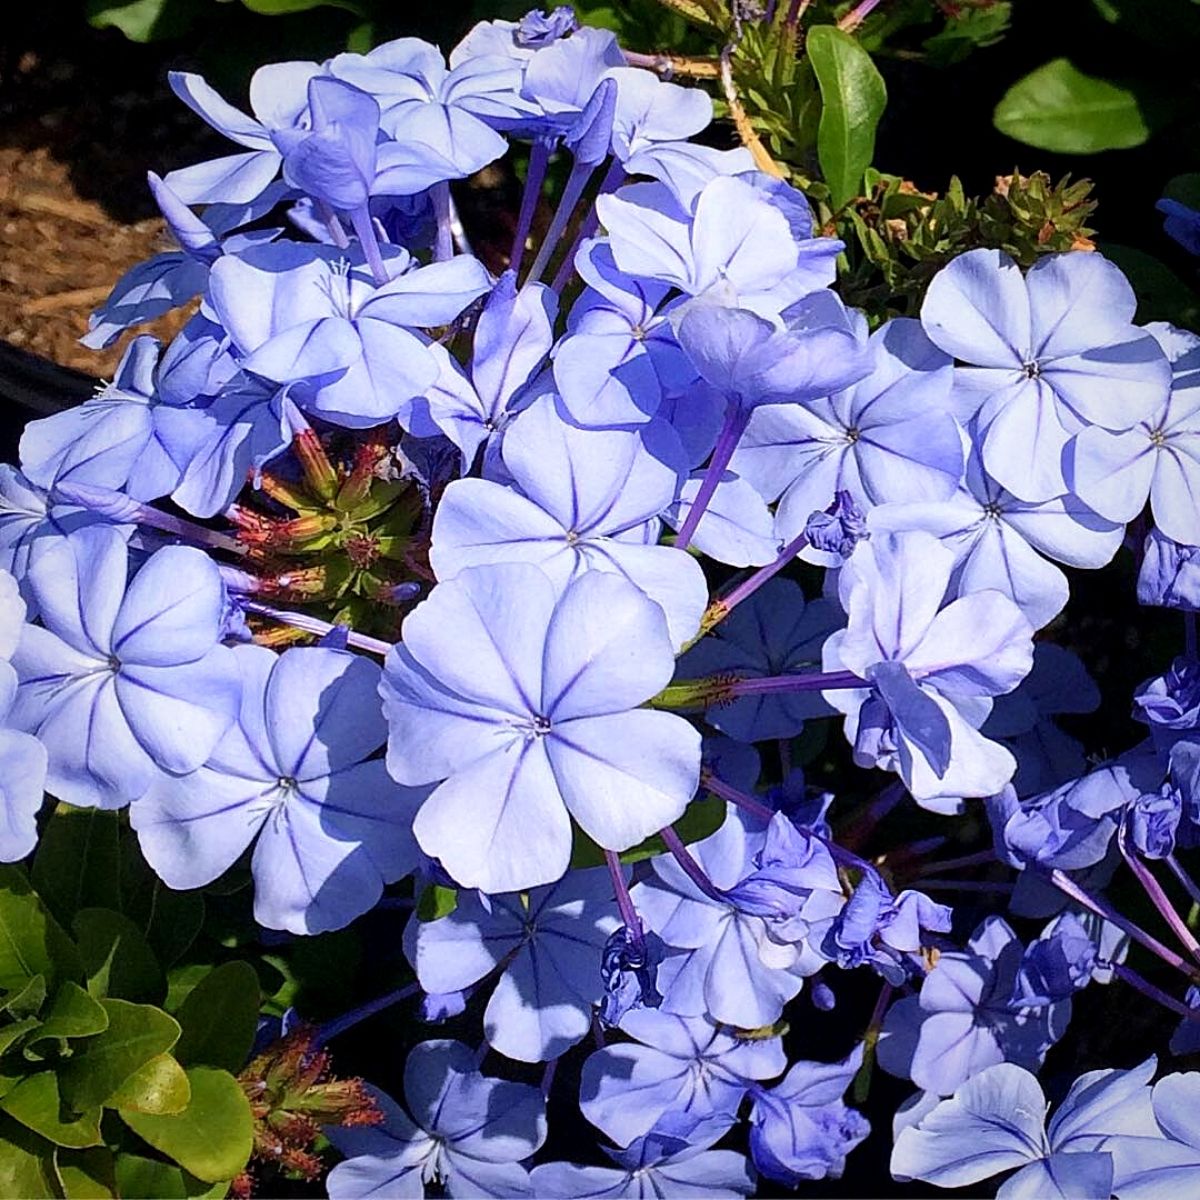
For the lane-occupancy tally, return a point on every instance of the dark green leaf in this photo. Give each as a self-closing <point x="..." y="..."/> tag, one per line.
<point x="274" y="8"/>
<point x="437" y="901"/>
<point x="219" y="1018"/>
<point x="73" y="1014"/>
<point x="31" y="940"/>
<point x="78" y="861"/>
<point x="26" y="1000"/>
<point x="116" y="959"/>
<point x="170" y="920"/>
<point x="159" y="1086"/>
<point x="142" y="20"/>
<point x="26" y="1162"/>
<point x="212" y="1138"/>
<point x="853" y="97"/>
<point x="146" y="1179"/>
<point x="1185" y="189"/>
<point x="136" y="1033"/>
<point x="10" y="1035"/>
<point x="86" y="1174"/>
<point x="1057" y="107"/>
<point x="36" y="1103"/>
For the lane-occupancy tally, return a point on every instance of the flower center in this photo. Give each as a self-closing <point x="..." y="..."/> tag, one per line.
<point x="1032" y="370"/>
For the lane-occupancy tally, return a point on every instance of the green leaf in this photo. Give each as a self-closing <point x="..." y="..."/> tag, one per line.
<point x="141" y="1178"/>
<point x="1057" y="107"/>
<point x="116" y="959"/>
<point x="159" y="1086"/>
<point x="1185" y="189"/>
<point x="78" y="861"/>
<point x="142" y="20"/>
<point x="212" y="1138"/>
<point x="10" y="1035"/>
<point x="169" y="919"/>
<point x="853" y="97"/>
<point x="37" y="1104"/>
<point x="27" y="1000"/>
<point x="136" y="1033"/>
<point x="437" y="901"/>
<point x="219" y="1018"/>
<point x="86" y="1174"/>
<point x="26" y="1162"/>
<point x="73" y="1014"/>
<point x="31" y="941"/>
<point x="274" y="8"/>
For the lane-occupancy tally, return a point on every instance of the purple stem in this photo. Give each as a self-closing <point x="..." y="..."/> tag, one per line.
<point x="364" y="228"/>
<point x="347" y="1020"/>
<point x="315" y="626"/>
<point x="690" y="867"/>
<point x="724" y="791"/>
<point x="774" y="685"/>
<point x="979" y="859"/>
<point x="576" y="182"/>
<point x="588" y="226"/>
<point x="1102" y="908"/>
<point x="1144" y="986"/>
<point x="748" y="587"/>
<point x="443" y="246"/>
<point x="1189" y="884"/>
<point x="333" y="223"/>
<point x="1158" y="897"/>
<point x="856" y="16"/>
<point x="548" y="1077"/>
<point x="535" y="176"/>
<point x="628" y="913"/>
<point x="737" y="417"/>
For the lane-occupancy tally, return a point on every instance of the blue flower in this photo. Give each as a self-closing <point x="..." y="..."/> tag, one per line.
<point x="683" y="1066"/>
<point x="549" y="940"/>
<point x="1045" y="355"/>
<point x="934" y="670"/>
<point x="468" y="1132"/>
<point x="524" y="702"/>
<point x="584" y="500"/>
<point x="296" y="774"/>
<point x="123" y="679"/>
<point x="800" y="1129"/>
<point x="965" y="1020"/>
<point x="1103" y="1138"/>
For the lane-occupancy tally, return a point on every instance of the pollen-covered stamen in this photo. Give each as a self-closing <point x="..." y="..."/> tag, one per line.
<point x="363" y="549"/>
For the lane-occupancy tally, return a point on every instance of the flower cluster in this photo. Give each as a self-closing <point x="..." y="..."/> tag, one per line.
<point x="399" y="570"/>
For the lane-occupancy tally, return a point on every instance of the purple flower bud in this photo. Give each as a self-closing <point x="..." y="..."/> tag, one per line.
<point x="537" y="29"/>
<point x="1170" y="704"/>
<point x="1153" y="820"/>
<point x="1170" y="574"/>
<point x="839" y="528"/>
<point x="629" y="967"/>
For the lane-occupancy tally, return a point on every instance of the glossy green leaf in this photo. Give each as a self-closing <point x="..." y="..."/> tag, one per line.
<point x="1161" y="294"/>
<point x="78" y="861"/>
<point x="170" y="920"/>
<point x="436" y="901"/>
<point x="219" y="1018"/>
<point x="116" y="959"/>
<point x="26" y="1162"/>
<point x="212" y="1138"/>
<point x="141" y="1178"/>
<point x="86" y="1174"/>
<point x="159" y="1086"/>
<point x="73" y="1014"/>
<point x="1057" y="107"/>
<point x="143" y="20"/>
<point x="853" y="97"/>
<point x="37" y="1104"/>
<point x="274" y="8"/>
<point x="136" y="1033"/>
<point x="31" y="941"/>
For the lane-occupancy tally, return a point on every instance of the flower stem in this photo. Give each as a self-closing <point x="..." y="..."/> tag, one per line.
<point x="535" y="176"/>
<point x="364" y="229"/>
<point x="1157" y="896"/>
<point x="576" y="182"/>
<point x="737" y="417"/>
<point x="625" y="906"/>
<point x="333" y="223"/>
<point x="315" y="625"/>
<point x="722" y="606"/>
<point x="979" y="859"/>
<point x="443" y="247"/>
<point x="724" y="791"/>
<point x="587" y="227"/>
<point x="348" y="1020"/>
<point x="1094" y="904"/>
<point x="1144" y="986"/>
<point x="690" y="867"/>
<point x="1189" y="884"/>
